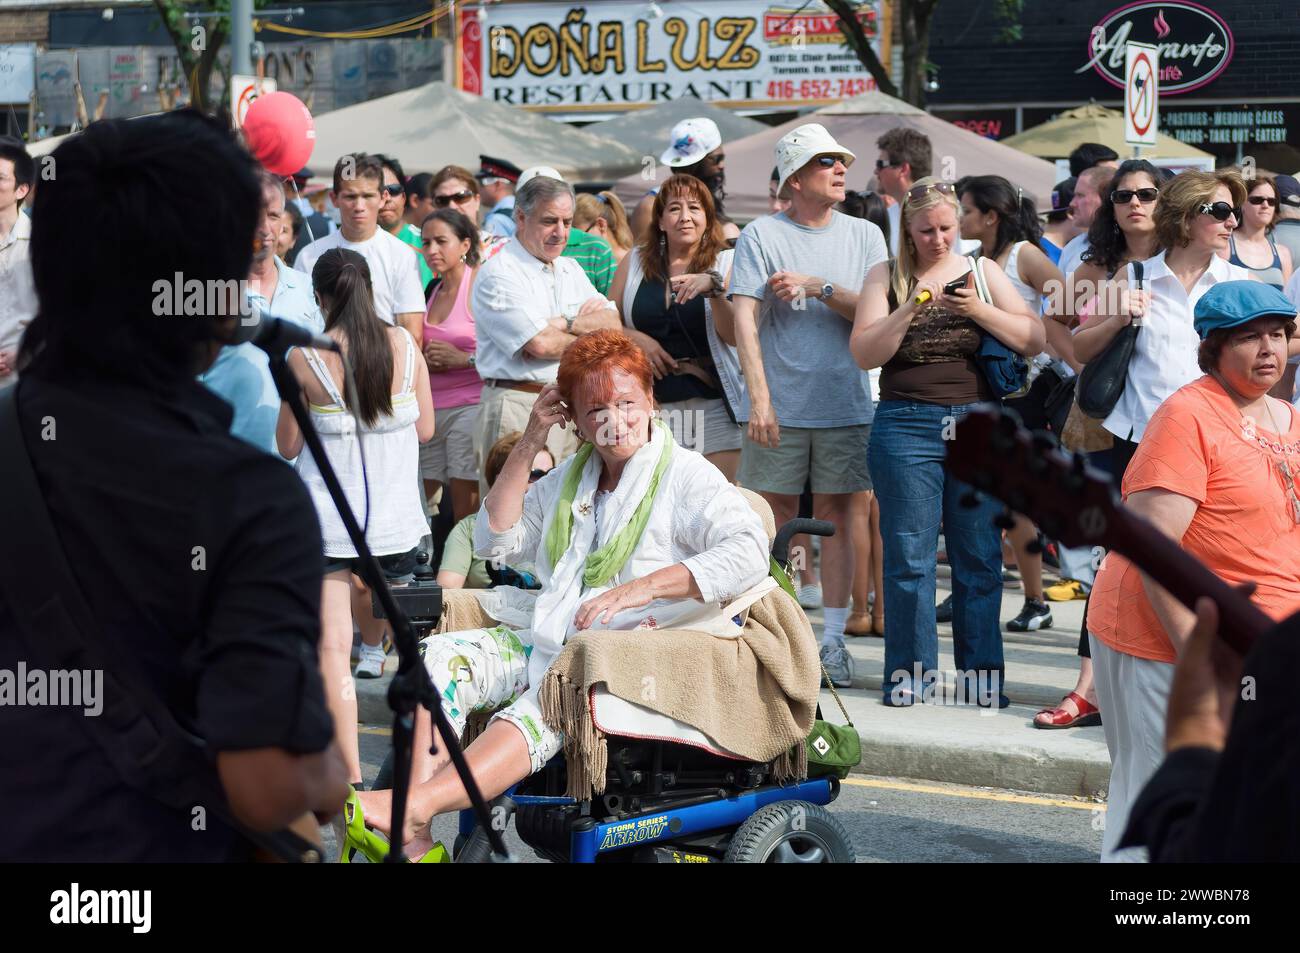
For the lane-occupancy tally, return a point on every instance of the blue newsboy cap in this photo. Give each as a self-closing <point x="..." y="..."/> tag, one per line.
<point x="1232" y="303"/>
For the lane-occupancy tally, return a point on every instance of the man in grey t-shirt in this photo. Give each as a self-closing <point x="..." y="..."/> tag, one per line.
<point x="794" y="289"/>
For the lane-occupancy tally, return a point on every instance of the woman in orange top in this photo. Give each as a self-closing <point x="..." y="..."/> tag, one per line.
<point x="1218" y="468"/>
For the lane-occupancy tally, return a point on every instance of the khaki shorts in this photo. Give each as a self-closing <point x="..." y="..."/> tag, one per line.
<point x="450" y="454"/>
<point x="701" y="424"/>
<point x="502" y="411"/>
<point x="834" y="459"/>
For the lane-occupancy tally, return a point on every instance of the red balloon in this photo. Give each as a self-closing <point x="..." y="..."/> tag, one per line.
<point x="280" y="132"/>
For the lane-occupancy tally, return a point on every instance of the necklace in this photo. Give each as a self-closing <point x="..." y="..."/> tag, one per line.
<point x="1284" y="468"/>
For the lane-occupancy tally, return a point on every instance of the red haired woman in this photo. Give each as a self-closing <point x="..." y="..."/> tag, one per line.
<point x="632" y="523"/>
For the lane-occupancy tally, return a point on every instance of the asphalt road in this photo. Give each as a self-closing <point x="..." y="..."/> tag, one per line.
<point x="892" y="820"/>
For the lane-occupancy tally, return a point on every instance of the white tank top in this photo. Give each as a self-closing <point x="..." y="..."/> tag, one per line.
<point x="392" y="450"/>
<point x="1013" y="272"/>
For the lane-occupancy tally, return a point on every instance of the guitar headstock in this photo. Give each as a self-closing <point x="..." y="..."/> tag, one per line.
<point x="1068" y="500"/>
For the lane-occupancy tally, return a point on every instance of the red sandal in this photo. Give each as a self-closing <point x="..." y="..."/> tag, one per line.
<point x="1061" y="718"/>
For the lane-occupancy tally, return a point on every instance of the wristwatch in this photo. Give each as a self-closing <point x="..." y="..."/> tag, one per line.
<point x="570" y="315"/>
<point x="828" y="290"/>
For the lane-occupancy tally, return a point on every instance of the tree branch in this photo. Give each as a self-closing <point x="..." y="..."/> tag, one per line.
<point x="856" y="37"/>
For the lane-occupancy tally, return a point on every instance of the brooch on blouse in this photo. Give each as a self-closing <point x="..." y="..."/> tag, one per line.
<point x="584" y="509"/>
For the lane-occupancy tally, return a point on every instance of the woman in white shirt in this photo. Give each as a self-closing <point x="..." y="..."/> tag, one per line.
<point x="1195" y="216"/>
<point x="392" y="410"/>
<point x="631" y="532"/>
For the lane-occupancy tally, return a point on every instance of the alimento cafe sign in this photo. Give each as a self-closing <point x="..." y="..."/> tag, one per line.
<point x="1195" y="43"/>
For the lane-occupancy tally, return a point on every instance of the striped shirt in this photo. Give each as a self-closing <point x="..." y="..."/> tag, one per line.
<point x="593" y="253"/>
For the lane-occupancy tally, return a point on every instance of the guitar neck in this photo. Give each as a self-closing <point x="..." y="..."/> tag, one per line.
<point x="1241" y="622"/>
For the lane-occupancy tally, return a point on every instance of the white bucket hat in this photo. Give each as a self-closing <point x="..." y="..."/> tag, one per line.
<point x="531" y="173"/>
<point x="690" y="141"/>
<point x="800" y="146"/>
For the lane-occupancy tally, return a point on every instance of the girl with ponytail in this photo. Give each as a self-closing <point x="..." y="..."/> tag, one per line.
<point x="384" y="403"/>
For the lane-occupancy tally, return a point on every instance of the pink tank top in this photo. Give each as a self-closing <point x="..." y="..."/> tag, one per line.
<point x="459" y="387"/>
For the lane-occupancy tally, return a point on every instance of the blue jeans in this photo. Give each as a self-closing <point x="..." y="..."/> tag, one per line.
<point x="916" y="494"/>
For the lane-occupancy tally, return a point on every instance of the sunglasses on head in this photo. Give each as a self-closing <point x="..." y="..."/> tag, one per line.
<point x="918" y="192"/>
<point x="1125" y="196"/>
<point x="442" y="201"/>
<point x="535" y="475"/>
<point x="1220" y="211"/>
<point x="394" y="190"/>
<point x="1262" y="200"/>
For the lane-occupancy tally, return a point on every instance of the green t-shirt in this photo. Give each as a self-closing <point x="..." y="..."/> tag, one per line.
<point x="458" y="555"/>
<point x="593" y="253"/>
<point x="411" y="235"/>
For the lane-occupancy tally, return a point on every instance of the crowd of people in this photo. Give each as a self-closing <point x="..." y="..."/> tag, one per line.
<point x="497" y="323"/>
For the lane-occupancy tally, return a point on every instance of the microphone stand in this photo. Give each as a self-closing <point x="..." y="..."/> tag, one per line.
<point x="411" y="686"/>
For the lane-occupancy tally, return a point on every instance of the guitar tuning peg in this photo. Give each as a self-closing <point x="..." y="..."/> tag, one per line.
<point x="968" y="501"/>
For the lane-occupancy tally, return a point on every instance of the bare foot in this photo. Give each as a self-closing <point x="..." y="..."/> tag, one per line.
<point x="378" y="809"/>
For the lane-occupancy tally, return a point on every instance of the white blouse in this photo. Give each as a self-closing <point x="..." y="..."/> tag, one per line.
<point x="1164" y="358"/>
<point x="698" y="519"/>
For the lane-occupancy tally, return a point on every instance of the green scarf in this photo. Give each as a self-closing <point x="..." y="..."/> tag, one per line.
<point x="604" y="563"/>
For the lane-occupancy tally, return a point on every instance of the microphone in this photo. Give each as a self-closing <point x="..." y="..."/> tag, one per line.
<point x="276" y="335"/>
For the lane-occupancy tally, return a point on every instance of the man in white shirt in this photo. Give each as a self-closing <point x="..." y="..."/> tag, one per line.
<point x="17" y="290"/>
<point x="1087" y="200"/>
<point x="530" y="303"/>
<point x="394" y="272"/>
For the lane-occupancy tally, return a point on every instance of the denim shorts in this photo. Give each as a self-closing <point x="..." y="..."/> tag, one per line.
<point x="397" y="568"/>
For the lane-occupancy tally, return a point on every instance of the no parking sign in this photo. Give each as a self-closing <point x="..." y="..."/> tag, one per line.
<point x="1141" y="94"/>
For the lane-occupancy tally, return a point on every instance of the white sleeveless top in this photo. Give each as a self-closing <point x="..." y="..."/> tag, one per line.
<point x="392" y="452"/>
<point x="1030" y="296"/>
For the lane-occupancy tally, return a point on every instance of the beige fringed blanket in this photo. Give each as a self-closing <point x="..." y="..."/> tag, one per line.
<point x="754" y="695"/>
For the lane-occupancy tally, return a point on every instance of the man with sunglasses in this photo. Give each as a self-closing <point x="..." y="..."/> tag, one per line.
<point x="395" y="279"/>
<point x="392" y="213"/>
<point x="905" y="156"/>
<point x="794" y="289"/>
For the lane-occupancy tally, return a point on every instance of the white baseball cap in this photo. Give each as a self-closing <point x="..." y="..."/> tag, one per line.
<point x="800" y="146"/>
<point x="690" y="141"/>
<point x="531" y="173"/>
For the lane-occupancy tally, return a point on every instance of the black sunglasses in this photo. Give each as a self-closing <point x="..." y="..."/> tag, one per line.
<point x="882" y="164"/>
<point x="1262" y="200"/>
<point x="535" y="475"/>
<point x="394" y="190"/>
<point x="828" y="162"/>
<point x="1220" y="211"/>
<point x="442" y="201"/>
<point x="1124" y="196"/>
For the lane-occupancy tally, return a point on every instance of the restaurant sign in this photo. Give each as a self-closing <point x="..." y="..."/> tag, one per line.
<point x="1195" y="43"/>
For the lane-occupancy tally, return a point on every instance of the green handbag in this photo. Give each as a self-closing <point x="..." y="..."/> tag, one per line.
<point x="833" y="749"/>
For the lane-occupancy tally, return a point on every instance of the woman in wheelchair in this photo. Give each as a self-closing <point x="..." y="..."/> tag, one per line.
<point x="633" y="531"/>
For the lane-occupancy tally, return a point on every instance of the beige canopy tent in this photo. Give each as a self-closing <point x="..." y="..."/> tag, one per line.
<point x="857" y="124"/>
<point x="646" y="130"/>
<point x="435" y="125"/>
<point x="1058" y="137"/>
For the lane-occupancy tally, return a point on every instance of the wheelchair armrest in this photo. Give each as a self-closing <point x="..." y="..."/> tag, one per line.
<point x="781" y="545"/>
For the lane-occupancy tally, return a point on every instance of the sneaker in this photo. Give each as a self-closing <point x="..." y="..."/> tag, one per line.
<point x="1067" y="590"/>
<point x="810" y="597"/>
<point x="943" y="611"/>
<point x="372" y="662"/>
<point x="839" y="665"/>
<point x="1034" y="615"/>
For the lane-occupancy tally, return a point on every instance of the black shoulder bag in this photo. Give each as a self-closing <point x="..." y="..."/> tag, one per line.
<point x="1102" y="381"/>
<point x="140" y="736"/>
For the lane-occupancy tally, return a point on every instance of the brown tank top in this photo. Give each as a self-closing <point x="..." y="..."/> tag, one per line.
<point x="935" y="362"/>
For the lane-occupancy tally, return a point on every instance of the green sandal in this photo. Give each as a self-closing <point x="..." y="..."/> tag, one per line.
<point x="370" y="843"/>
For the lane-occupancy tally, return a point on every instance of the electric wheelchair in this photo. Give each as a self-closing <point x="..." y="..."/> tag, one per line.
<point x="664" y="802"/>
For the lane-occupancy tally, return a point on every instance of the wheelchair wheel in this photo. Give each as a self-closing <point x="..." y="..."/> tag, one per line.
<point x="790" y="832"/>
